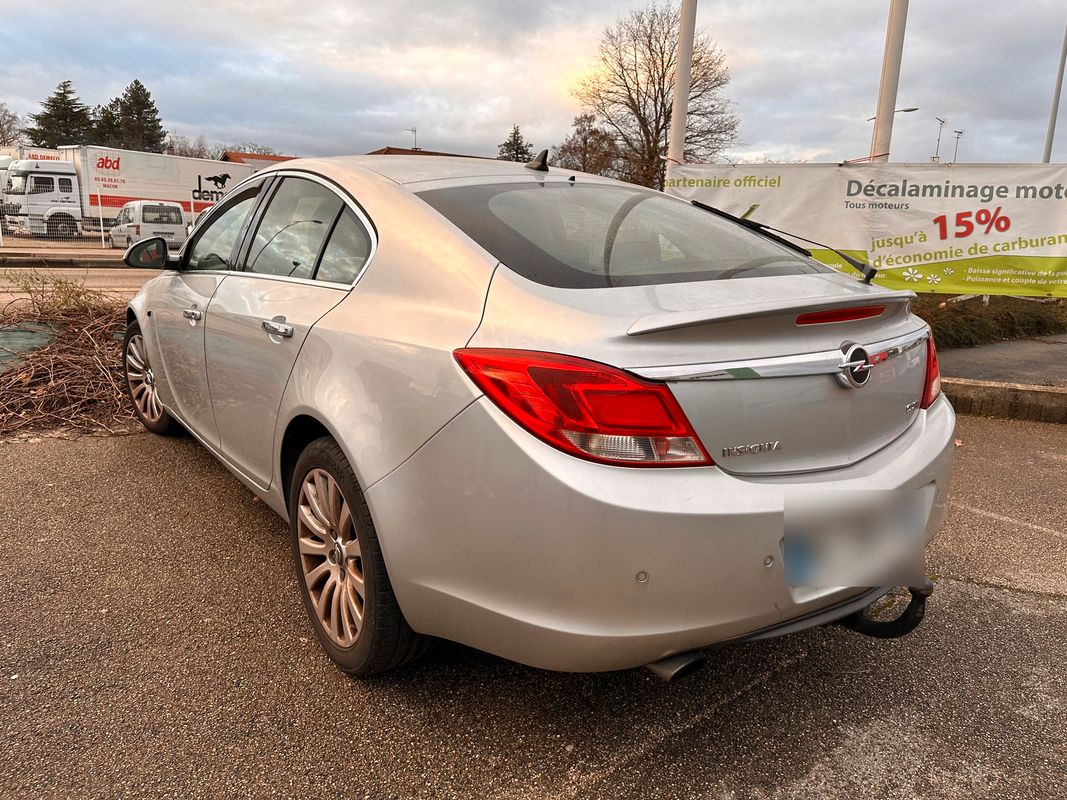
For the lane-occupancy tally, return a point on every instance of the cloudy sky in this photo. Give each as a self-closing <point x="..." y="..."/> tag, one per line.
<point x="316" y="78"/>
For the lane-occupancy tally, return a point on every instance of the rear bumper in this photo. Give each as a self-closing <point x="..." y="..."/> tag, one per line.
<point x="498" y="541"/>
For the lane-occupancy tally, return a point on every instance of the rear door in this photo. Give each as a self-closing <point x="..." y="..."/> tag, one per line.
<point x="300" y="258"/>
<point x="165" y="220"/>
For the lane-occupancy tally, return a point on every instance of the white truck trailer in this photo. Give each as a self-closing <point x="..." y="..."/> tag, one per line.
<point x="85" y="191"/>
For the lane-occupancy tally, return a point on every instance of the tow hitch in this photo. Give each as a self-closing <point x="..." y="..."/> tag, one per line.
<point x="909" y="620"/>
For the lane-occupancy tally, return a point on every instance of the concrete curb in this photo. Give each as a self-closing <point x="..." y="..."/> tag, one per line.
<point x="42" y="261"/>
<point x="1007" y="400"/>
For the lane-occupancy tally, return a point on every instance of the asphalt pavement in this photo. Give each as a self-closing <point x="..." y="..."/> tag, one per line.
<point x="1038" y="361"/>
<point x="153" y="644"/>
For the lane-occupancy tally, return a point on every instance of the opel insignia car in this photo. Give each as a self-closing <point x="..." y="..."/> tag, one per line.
<point x="549" y="415"/>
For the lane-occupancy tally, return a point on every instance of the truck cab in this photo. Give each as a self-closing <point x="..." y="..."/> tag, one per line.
<point x="43" y="198"/>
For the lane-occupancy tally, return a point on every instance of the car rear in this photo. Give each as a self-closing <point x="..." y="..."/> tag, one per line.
<point x="661" y="391"/>
<point x="161" y="219"/>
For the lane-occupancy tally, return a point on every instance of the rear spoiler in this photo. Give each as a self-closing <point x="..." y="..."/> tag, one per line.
<point x="687" y="319"/>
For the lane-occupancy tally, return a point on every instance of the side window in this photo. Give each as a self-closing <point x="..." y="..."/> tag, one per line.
<point x="42" y="184"/>
<point x="215" y="241"/>
<point x="292" y="229"/>
<point x="66" y="185"/>
<point x="346" y="252"/>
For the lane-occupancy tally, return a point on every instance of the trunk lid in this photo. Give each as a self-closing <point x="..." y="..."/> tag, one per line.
<point x="764" y="393"/>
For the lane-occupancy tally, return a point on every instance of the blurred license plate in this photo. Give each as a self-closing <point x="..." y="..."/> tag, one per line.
<point x="856" y="539"/>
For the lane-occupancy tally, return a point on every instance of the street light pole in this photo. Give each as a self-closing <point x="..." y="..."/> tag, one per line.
<point x="898" y="111"/>
<point x="887" y="86"/>
<point x="683" y="78"/>
<point x="1055" y="103"/>
<point x="956" y="149"/>
<point x="937" y="150"/>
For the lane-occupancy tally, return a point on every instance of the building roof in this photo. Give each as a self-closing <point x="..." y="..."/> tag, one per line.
<point x="409" y="151"/>
<point x="256" y="160"/>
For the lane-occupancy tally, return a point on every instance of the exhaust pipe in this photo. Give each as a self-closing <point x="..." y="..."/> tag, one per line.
<point x="677" y="666"/>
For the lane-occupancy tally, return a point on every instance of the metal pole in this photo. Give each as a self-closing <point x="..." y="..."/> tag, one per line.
<point x="683" y="79"/>
<point x="887" y="86"/>
<point x="937" y="150"/>
<point x="100" y="215"/>
<point x="1055" y="103"/>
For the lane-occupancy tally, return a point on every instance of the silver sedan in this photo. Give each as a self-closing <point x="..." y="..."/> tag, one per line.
<point x="570" y="421"/>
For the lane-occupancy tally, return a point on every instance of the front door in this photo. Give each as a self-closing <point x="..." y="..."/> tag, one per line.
<point x="179" y="307"/>
<point x="178" y="304"/>
<point x="261" y="316"/>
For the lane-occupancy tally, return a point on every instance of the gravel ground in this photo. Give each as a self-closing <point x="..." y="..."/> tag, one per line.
<point x="153" y="644"/>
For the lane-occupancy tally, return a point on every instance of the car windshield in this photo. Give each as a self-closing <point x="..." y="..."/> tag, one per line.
<point x="571" y="235"/>
<point x="16" y="184"/>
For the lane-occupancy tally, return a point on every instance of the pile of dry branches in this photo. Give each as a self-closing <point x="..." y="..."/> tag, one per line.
<point x="75" y="380"/>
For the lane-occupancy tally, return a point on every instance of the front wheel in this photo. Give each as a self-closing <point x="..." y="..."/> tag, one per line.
<point x="340" y="568"/>
<point x="61" y="227"/>
<point x="141" y="384"/>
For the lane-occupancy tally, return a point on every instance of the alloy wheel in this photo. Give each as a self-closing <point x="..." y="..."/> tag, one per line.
<point x="142" y="381"/>
<point x="330" y="557"/>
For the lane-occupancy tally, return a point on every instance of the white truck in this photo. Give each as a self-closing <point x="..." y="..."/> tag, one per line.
<point x="9" y="154"/>
<point x="85" y="191"/>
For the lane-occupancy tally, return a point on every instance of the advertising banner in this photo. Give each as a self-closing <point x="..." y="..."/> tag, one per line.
<point x="949" y="228"/>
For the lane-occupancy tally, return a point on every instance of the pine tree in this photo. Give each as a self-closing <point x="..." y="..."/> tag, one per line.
<point x="138" y="122"/>
<point x="63" y="119"/>
<point x="107" y="130"/>
<point x="515" y="147"/>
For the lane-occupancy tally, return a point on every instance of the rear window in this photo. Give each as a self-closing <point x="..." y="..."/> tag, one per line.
<point x="161" y="215"/>
<point x="595" y="235"/>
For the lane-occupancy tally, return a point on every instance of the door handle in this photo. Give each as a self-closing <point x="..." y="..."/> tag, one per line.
<point x="192" y="313"/>
<point x="277" y="328"/>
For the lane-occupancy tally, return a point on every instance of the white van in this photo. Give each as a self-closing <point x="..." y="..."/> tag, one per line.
<point x="143" y="219"/>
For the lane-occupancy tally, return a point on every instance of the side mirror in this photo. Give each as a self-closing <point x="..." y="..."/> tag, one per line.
<point x="148" y="254"/>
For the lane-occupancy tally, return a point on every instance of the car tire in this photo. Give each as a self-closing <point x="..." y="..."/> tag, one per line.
<point x="340" y="568"/>
<point x="141" y="385"/>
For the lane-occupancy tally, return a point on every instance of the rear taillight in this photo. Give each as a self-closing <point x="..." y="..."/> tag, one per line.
<point x="587" y="409"/>
<point x="932" y="388"/>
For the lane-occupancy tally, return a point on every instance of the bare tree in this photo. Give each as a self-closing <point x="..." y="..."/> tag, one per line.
<point x="252" y="149"/>
<point x="179" y="144"/>
<point x="632" y="90"/>
<point x="10" y="127"/>
<point x="588" y="148"/>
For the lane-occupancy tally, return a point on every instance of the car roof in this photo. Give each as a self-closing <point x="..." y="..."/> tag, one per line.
<point x="153" y="203"/>
<point x="407" y="170"/>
